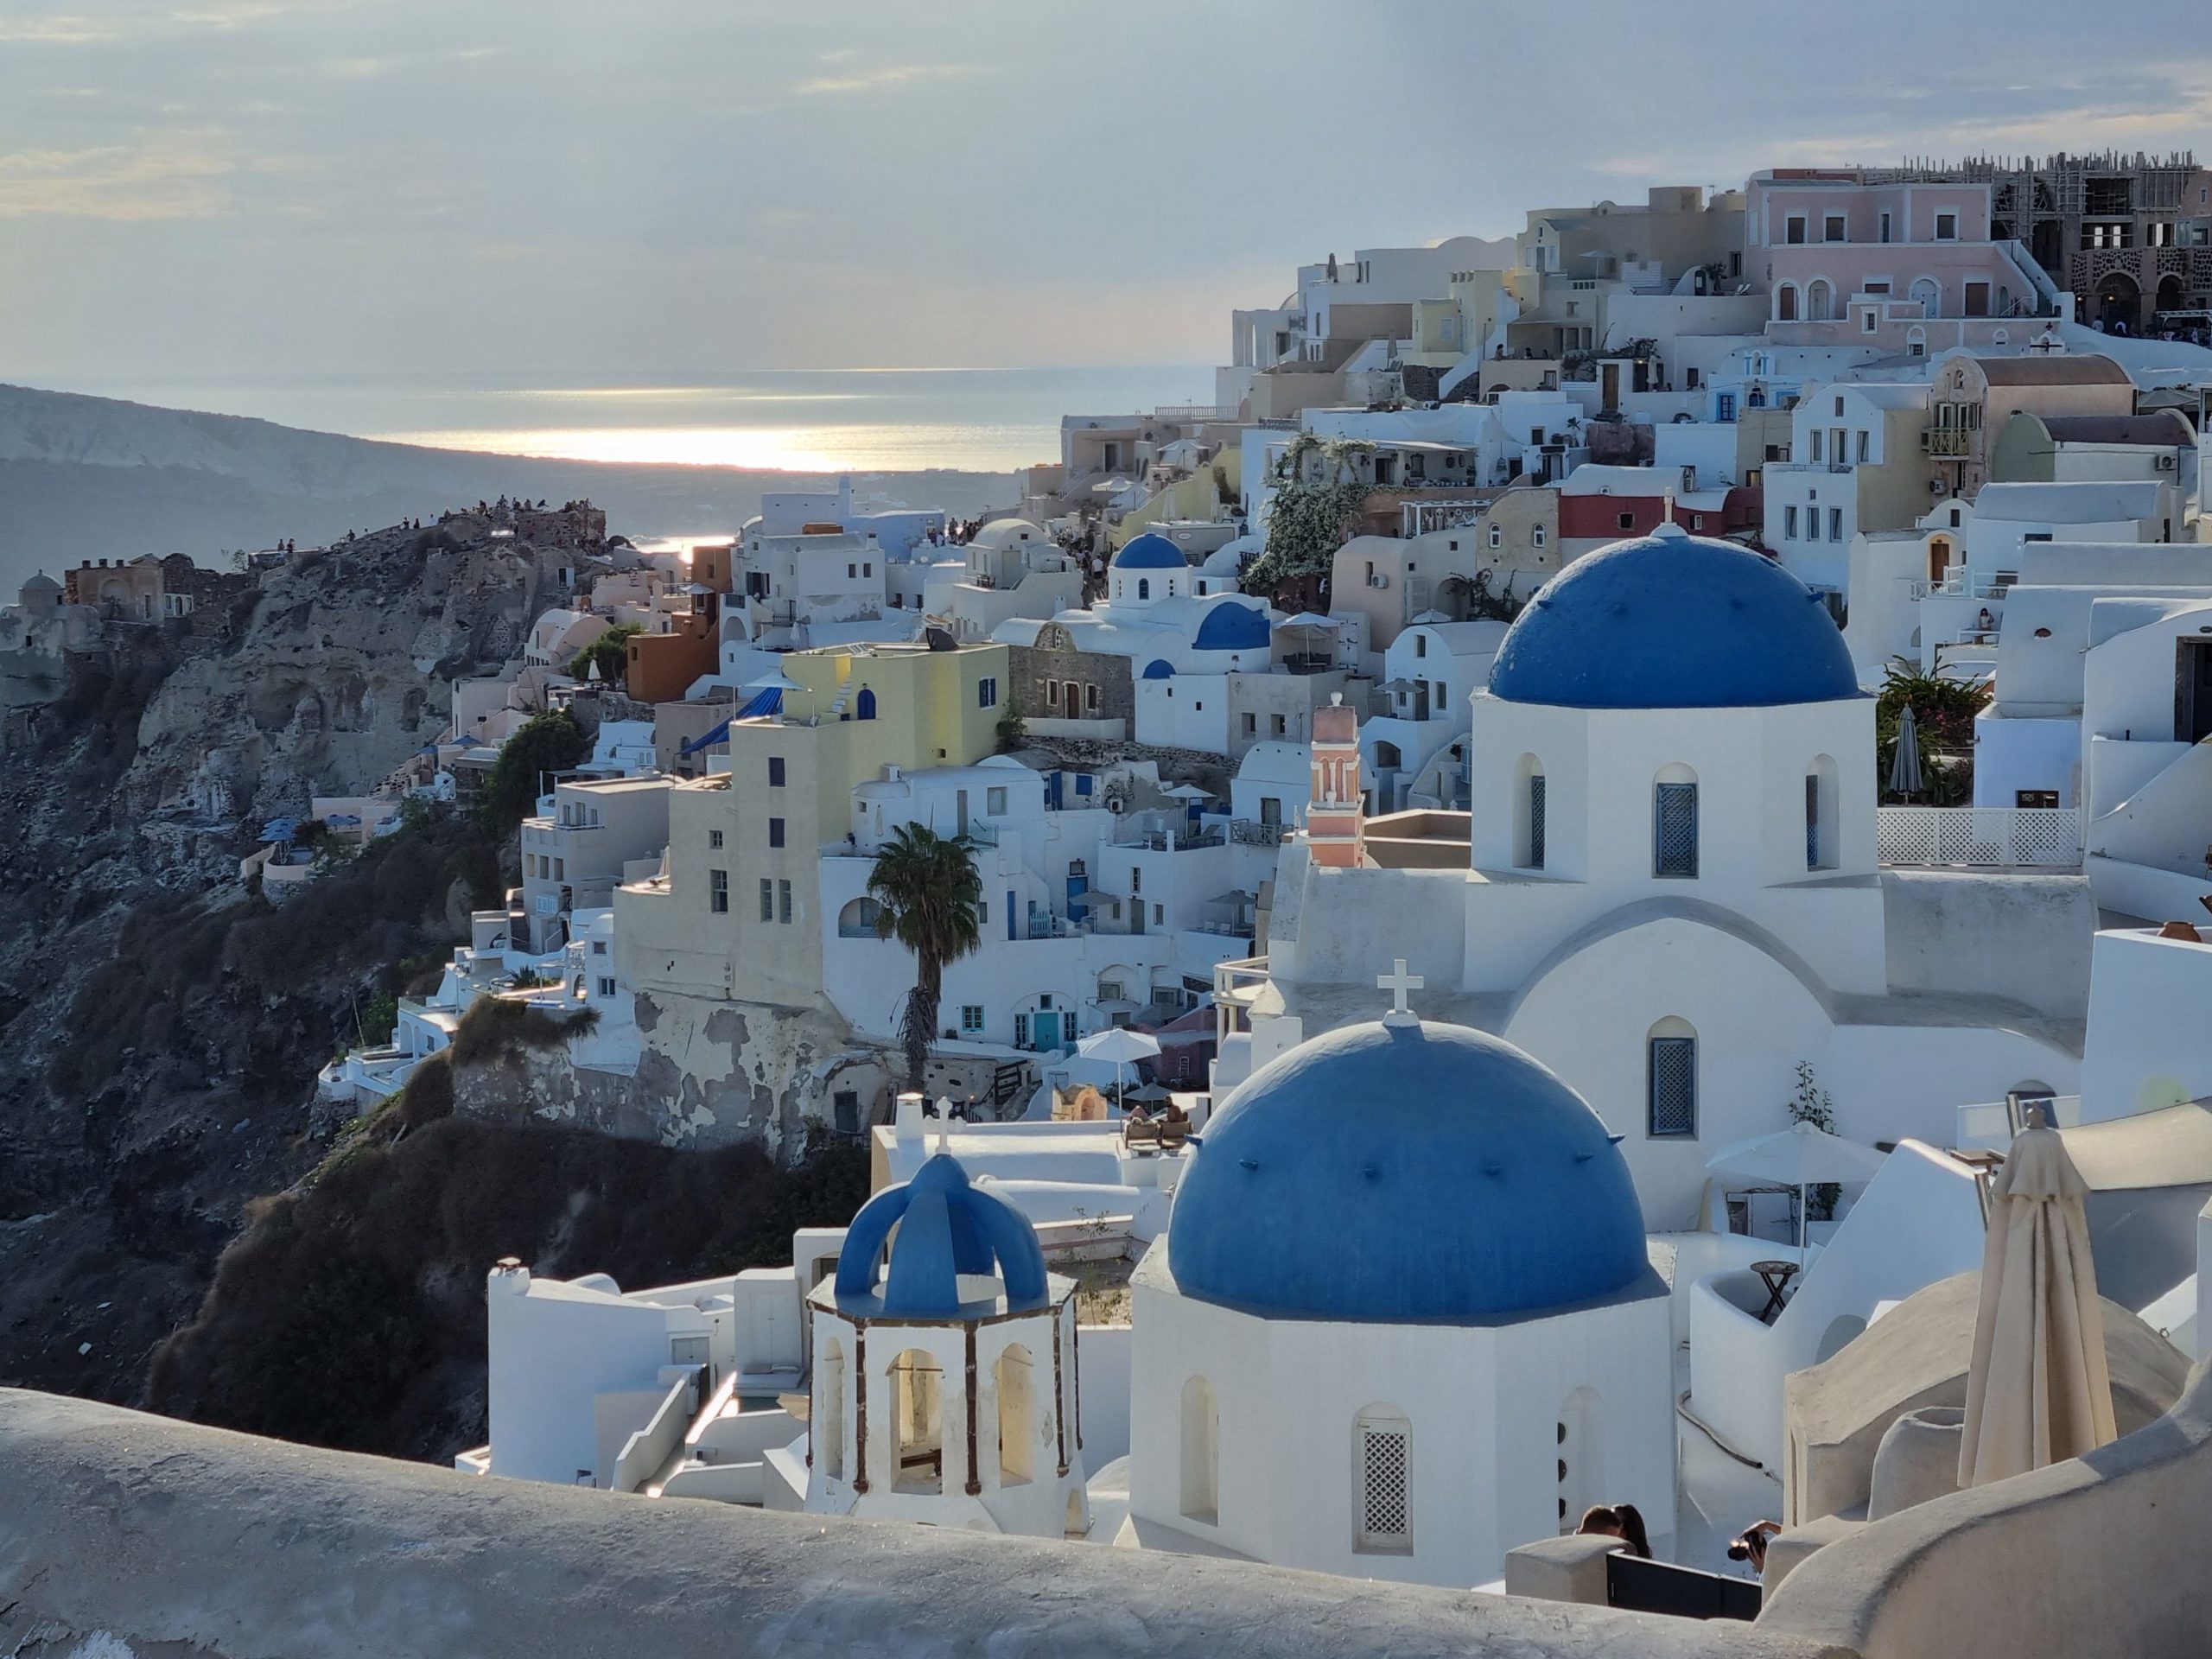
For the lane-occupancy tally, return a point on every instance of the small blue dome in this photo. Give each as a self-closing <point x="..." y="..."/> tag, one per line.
<point x="1671" y="620"/>
<point x="1159" y="669"/>
<point x="1150" y="552"/>
<point x="1232" y="627"/>
<point x="1392" y="1174"/>
<point x="947" y="1228"/>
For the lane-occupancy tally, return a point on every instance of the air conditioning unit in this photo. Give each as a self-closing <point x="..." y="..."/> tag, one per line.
<point x="2166" y="463"/>
<point x="1378" y="580"/>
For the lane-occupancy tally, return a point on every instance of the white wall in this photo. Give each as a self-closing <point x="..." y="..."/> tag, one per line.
<point x="2149" y="1044"/>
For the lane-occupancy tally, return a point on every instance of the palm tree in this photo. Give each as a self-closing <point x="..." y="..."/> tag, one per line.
<point x="927" y="894"/>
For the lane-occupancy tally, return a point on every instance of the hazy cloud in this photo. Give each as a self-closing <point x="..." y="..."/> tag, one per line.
<point x="115" y="183"/>
<point x="898" y="74"/>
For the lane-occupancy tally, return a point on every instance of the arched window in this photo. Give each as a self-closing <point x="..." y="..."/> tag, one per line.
<point x="1819" y="300"/>
<point x="1535" y="536"/>
<point x="1821" y="821"/>
<point x="1785" y="302"/>
<point x="1528" y="818"/>
<point x="1581" y="1459"/>
<point x="917" y="1422"/>
<point x="1387" y="758"/>
<point x="1017" y="1418"/>
<point x="1201" y="1453"/>
<point x="1670" y="1080"/>
<point x="1144" y="587"/>
<point x="1382" y="1450"/>
<point x="868" y="703"/>
<point x="857" y="919"/>
<point x="1915" y="342"/>
<point x="1497" y="535"/>
<point x="828" y="1421"/>
<point x="1674" y="823"/>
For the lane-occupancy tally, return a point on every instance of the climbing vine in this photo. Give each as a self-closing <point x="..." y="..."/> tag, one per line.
<point x="1311" y="516"/>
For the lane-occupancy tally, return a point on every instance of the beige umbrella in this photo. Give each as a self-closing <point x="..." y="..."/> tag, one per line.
<point x="2038" y="1391"/>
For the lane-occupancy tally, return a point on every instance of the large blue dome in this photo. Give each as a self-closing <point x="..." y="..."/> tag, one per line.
<point x="1672" y="620"/>
<point x="1232" y="627"/>
<point x="1387" y="1174"/>
<point x="1150" y="552"/>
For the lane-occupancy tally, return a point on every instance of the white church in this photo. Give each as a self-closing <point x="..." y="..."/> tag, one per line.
<point x="1673" y="820"/>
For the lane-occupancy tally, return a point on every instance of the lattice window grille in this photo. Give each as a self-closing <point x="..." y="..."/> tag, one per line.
<point x="1537" y="822"/>
<point x="1674" y="1086"/>
<point x="1676" y="834"/>
<point x="1384" y="1522"/>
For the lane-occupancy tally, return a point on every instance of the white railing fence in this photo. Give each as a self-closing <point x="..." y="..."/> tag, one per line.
<point x="1981" y="838"/>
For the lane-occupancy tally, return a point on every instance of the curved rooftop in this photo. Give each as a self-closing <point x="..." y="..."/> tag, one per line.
<point x="1232" y="627"/>
<point x="1397" y="1173"/>
<point x="1150" y="552"/>
<point x="949" y="1228"/>
<point x="1672" y="620"/>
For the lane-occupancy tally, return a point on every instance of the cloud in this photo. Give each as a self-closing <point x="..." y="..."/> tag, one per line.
<point x="868" y="80"/>
<point x="56" y="30"/>
<point x="114" y="181"/>
<point x="356" y="68"/>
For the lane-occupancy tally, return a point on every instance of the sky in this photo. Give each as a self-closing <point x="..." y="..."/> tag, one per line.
<point x="611" y="187"/>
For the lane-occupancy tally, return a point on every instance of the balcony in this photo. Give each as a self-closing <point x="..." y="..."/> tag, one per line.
<point x="1946" y="442"/>
<point x="1245" y="833"/>
<point x="1980" y="838"/>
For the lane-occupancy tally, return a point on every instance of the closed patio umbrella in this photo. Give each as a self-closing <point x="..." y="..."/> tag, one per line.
<point x="1904" y="759"/>
<point x="2038" y="1392"/>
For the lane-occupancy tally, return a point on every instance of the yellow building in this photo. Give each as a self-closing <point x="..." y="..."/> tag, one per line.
<point x="737" y="916"/>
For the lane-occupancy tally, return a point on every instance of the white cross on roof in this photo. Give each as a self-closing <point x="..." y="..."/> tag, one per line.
<point x="1398" y="982"/>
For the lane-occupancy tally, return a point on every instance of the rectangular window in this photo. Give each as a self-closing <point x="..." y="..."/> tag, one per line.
<point x="1673" y="1066"/>
<point x="1865" y="451"/>
<point x="606" y="985"/>
<point x="986" y="692"/>
<point x="1812" y="821"/>
<point x="994" y="802"/>
<point x="1051" y="694"/>
<point x="1946" y="227"/>
<point x="1832" y="229"/>
<point x="1159" y="914"/>
<point x="775" y="832"/>
<point x="1794" y="230"/>
<point x="1812" y="442"/>
<point x="1789" y="524"/>
<point x="767" y="900"/>
<point x="1627" y="521"/>
<point x="1886" y="225"/>
<point x="1281" y="730"/>
<point x="1835" y="523"/>
<point x="1384" y="1522"/>
<point x="1537" y="822"/>
<point x="713" y="839"/>
<point x="775" y="771"/>
<point x="971" y="1019"/>
<point x="1252" y="725"/>
<point x="1675" y="831"/>
<point x="718" y="892"/>
<point x="783" y="901"/>
<point x="1091" y="698"/>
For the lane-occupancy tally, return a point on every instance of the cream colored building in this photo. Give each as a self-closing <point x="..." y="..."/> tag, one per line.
<point x="735" y="917"/>
<point x="1381" y="584"/>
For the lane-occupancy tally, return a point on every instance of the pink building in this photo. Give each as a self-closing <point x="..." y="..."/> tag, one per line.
<point x="1848" y="263"/>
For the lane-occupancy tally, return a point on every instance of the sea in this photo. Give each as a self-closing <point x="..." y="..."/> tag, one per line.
<point x="986" y="420"/>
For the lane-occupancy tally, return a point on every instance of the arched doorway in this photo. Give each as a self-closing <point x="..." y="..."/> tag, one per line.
<point x="2171" y="297"/>
<point x="2120" y="300"/>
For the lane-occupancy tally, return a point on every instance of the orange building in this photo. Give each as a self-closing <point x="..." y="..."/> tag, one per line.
<point x="662" y="667"/>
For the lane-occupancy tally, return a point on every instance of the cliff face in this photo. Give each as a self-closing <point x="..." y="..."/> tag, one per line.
<point x="160" y="1028"/>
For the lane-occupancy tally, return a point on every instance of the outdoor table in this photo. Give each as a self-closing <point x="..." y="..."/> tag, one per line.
<point x="1776" y="1276"/>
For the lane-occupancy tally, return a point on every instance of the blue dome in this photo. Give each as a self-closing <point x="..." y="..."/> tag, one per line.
<point x="1671" y="620"/>
<point x="1389" y="1174"/>
<point x="946" y="1228"/>
<point x="1232" y="627"/>
<point x="1159" y="669"/>
<point x="1150" y="552"/>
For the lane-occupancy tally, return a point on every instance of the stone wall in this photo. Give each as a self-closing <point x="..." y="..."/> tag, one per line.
<point x="125" y="1536"/>
<point x="1029" y="668"/>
